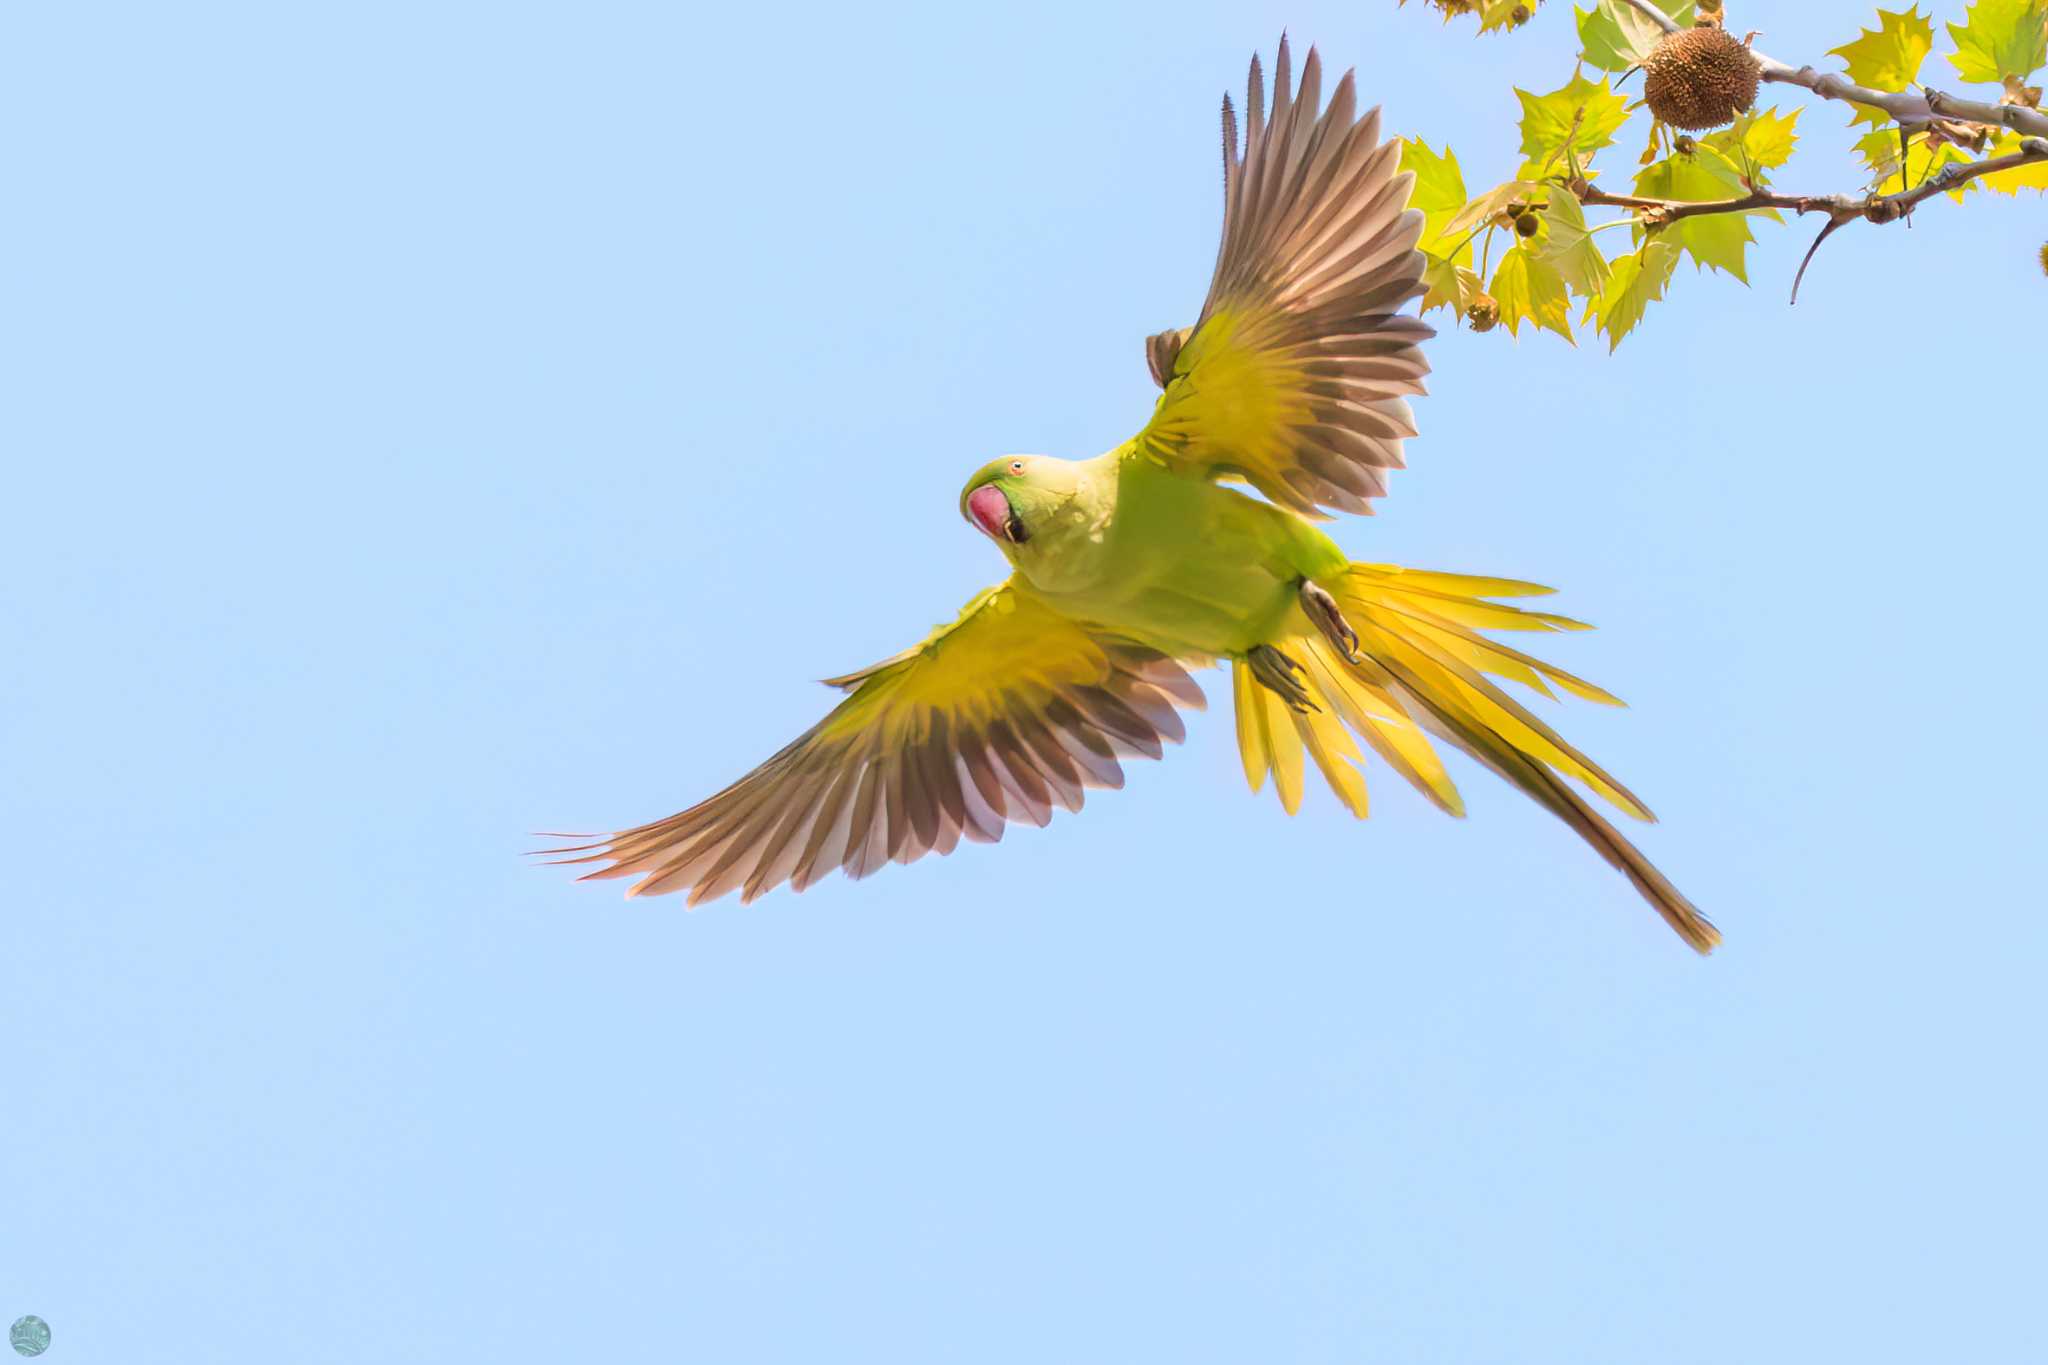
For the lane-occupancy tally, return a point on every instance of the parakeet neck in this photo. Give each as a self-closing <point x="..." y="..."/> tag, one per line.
<point x="1067" y="549"/>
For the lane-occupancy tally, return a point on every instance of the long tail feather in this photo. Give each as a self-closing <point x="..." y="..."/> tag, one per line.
<point x="1424" y="669"/>
<point x="1547" y="789"/>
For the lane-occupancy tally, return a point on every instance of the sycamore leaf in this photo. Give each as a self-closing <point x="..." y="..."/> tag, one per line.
<point x="1636" y="282"/>
<point x="1733" y="170"/>
<point x="2001" y="38"/>
<point x="1568" y="246"/>
<point x="1490" y="203"/>
<point x="1880" y="150"/>
<point x="1888" y="57"/>
<point x="1529" y="289"/>
<point x="1718" y="240"/>
<point x="2034" y="177"/>
<point x="1499" y="14"/>
<point x="1580" y="112"/>
<point x="1439" y="187"/>
<point x="1493" y="14"/>
<point x="1765" y="137"/>
<point x="1722" y="164"/>
<point x="1449" y="284"/>
<point x="1614" y="35"/>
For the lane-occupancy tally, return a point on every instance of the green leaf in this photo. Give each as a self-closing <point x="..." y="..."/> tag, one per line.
<point x="1439" y="187"/>
<point x="1568" y="246"/>
<point x="1719" y="240"/>
<point x="2002" y="38"/>
<point x="2034" y="177"/>
<point x="1529" y="289"/>
<point x="1614" y="35"/>
<point x="1637" y="281"/>
<point x="1548" y="123"/>
<point x="1450" y="285"/>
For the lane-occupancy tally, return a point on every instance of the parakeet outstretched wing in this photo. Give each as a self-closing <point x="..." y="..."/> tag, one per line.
<point x="1293" y="378"/>
<point x="1002" y="715"/>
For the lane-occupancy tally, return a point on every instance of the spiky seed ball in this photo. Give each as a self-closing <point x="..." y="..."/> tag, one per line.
<point x="1528" y="225"/>
<point x="1699" y="78"/>
<point x="2044" y="258"/>
<point x="1482" y="313"/>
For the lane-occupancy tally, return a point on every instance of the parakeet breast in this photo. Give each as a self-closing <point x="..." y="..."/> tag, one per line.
<point x="1182" y="564"/>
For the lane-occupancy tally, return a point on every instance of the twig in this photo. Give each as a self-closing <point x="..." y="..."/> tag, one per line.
<point x="1811" y="252"/>
<point x="1907" y="108"/>
<point x="1658" y="213"/>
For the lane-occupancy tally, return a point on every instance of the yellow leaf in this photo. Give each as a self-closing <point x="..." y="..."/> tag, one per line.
<point x="1439" y="187"/>
<point x="2034" y="177"/>
<point x="1889" y="56"/>
<point x="1766" y="138"/>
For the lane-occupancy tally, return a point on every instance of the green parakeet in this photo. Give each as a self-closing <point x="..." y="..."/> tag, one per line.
<point x="1130" y="567"/>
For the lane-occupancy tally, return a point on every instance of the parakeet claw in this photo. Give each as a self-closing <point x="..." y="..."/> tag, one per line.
<point x="1322" y="609"/>
<point x="1282" y="675"/>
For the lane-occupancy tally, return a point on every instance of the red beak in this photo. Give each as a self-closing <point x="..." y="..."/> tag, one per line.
<point x="990" y="510"/>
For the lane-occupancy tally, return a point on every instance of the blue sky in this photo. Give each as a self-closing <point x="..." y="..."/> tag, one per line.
<point x="427" y="424"/>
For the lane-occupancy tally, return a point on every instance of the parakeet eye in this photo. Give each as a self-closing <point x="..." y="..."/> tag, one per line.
<point x="1016" y="466"/>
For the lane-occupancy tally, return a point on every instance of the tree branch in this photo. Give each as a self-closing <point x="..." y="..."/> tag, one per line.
<point x="1883" y="208"/>
<point x="1841" y="209"/>
<point x="1907" y="108"/>
<point x="1913" y="110"/>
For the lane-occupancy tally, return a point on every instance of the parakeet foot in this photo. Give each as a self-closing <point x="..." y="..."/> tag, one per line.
<point x="1281" y="674"/>
<point x="1322" y="609"/>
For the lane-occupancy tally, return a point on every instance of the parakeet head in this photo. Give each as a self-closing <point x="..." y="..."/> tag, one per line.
<point x="1011" y="498"/>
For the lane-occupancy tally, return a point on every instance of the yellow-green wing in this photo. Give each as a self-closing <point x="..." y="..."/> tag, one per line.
<point x="1009" y="711"/>
<point x="1294" y="377"/>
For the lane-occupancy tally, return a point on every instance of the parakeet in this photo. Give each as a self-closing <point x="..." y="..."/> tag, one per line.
<point x="1129" y="568"/>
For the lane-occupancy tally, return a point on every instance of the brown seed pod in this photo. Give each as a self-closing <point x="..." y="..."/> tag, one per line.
<point x="1482" y="314"/>
<point x="1528" y="225"/>
<point x="1700" y="78"/>
<point x="2044" y="258"/>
